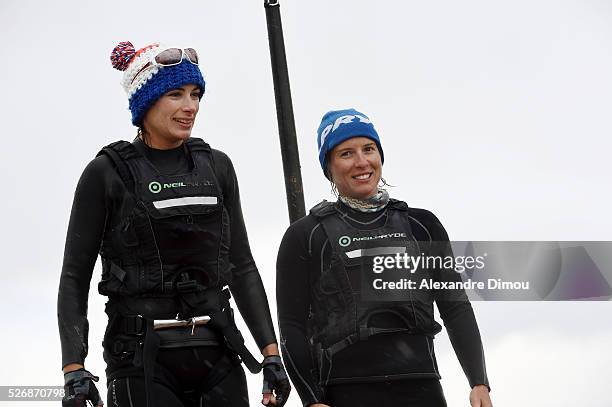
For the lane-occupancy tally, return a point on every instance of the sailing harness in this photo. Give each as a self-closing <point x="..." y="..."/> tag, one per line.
<point x="341" y="315"/>
<point x="167" y="248"/>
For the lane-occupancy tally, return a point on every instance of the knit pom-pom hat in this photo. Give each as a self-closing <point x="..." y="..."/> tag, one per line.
<point x="144" y="81"/>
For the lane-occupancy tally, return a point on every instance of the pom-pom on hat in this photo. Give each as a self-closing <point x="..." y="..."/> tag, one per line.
<point x="144" y="81"/>
<point x="340" y="125"/>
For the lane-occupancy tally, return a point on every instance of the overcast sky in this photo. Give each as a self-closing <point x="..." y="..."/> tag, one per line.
<point x="494" y="115"/>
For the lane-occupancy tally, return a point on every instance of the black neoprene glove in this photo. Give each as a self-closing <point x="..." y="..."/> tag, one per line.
<point x="79" y="387"/>
<point x="275" y="379"/>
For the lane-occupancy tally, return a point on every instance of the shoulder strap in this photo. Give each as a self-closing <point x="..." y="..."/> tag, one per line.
<point x="323" y="209"/>
<point x="198" y="147"/>
<point x="197" y="144"/>
<point x="398" y="205"/>
<point x="119" y="152"/>
<point x="201" y="152"/>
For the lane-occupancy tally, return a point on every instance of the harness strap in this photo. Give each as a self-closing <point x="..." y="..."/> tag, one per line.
<point x="149" y="355"/>
<point x="364" y="334"/>
<point x="121" y="151"/>
<point x="117" y="153"/>
<point x="146" y="341"/>
<point x="197" y="144"/>
<point x="223" y="320"/>
<point x="219" y="371"/>
<point x="144" y="347"/>
<point x="323" y="209"/>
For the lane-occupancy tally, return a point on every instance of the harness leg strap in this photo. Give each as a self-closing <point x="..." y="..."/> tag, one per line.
<point x="219" y="371"/>
<point x="223" y="321"/>
<point x="149" y="353"/>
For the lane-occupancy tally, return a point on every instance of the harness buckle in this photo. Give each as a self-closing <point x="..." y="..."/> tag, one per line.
<point x="186" y="286"/>
<point x="193" y="326"/>
<point x="135" y="325"/>
<point x="117" y="347"/>
<point x="178" y="322"/>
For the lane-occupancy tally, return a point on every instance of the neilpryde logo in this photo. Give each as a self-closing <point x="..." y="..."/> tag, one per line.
<point x="344" y="241"/>
<point x="155" y="187"/>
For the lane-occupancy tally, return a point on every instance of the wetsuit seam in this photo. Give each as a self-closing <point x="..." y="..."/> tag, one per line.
<point x="114" y="392"/>
<point x="423" y="226"/>
<point x="325" y="243"/>
<point x="284" y="346"/>
<point x="310" y="238"/>
<point x="484" y="367"/>
<point x="329" y="370"/>
<point x="129" y="391"/>
<point x="433" y="364"/>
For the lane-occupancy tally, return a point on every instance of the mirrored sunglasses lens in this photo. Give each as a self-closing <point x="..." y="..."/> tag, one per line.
<point x="169" y="57"/>
<point x="192" y="55"/>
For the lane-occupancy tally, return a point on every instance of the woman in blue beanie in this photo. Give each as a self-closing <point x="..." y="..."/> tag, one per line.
<point x="164" y="214"/>
<point x="345" y="343"/>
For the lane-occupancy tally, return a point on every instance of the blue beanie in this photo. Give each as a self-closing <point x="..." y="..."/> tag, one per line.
<point x="145" y="82"/>
<point x="166" y="79"/>
<point x="340" y="125"/>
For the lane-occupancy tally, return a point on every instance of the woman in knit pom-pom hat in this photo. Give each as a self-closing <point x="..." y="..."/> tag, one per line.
<point x="164" y="214"/>
<point x="355" y="335"/>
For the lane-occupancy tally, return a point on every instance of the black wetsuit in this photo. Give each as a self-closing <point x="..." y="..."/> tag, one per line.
<point x="98" y="193"/>
<point x="385" y="358"/>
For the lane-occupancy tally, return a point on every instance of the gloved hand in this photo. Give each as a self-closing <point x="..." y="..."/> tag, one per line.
<point x="79" y="387"/>
<point x="275" y="379"/>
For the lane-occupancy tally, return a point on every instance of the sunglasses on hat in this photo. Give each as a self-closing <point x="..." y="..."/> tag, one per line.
<point x="170" y="57"/>
<point x="174" y="56"/>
